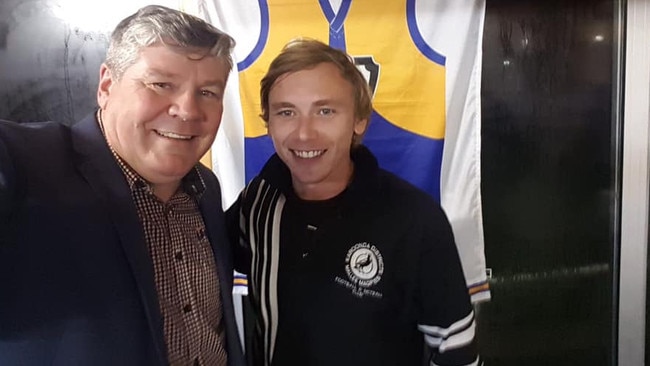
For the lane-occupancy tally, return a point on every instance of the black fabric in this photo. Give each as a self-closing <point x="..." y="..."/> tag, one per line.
<point x="327" y="316"/>
<point x="77" y="280"/>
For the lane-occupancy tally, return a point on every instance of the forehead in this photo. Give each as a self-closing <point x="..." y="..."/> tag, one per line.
<point x="324" y="78"/>
<point x="175" y="60"/>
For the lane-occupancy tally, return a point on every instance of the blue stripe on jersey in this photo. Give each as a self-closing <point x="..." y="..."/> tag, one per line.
<point x="419" y="41"/>
<point x="415" y="158"/>
<point x="257" y="150"/>
<point x="336" y="20"/>
<point x="261" y="41"/>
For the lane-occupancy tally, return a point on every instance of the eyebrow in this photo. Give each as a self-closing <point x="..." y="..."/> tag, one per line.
<point x="322" y="102"/>
<point x="157" y="73"/>
<point x="215" y="83"/>
<point x="153" y="73"/>
<point x="318" y="103"/>
<point x="282" y="105"/>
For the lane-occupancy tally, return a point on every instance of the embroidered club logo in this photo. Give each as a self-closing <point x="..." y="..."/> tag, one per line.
<point x="364" y="266"/>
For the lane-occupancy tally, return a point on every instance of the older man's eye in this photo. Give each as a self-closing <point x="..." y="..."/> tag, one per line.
<point x="210" y="94"/>
<point x="160" y="85"/>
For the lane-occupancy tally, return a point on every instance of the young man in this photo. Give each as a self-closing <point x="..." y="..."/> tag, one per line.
<point x="347" y="263"/>
<point x="113" y="249"/>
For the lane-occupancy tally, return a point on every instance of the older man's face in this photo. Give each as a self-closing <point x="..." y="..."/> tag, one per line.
<point x="162" y="115"/>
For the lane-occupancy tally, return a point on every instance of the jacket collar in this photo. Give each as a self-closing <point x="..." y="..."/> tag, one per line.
<point x="100" y="169"/>
<point x="364" y="181"/>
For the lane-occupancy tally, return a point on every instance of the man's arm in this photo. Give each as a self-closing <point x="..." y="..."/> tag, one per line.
<point x="446" y="314"/>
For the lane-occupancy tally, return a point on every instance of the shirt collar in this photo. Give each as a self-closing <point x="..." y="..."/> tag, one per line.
<point x="192" y="183"/>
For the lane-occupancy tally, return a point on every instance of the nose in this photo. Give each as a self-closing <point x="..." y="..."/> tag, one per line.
<point x="306" y="128"/>
<point x="185" y="106"/>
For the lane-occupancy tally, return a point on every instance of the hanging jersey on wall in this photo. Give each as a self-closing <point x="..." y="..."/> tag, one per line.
<point x="408" y="79"/>
<point x="425" y="99"/>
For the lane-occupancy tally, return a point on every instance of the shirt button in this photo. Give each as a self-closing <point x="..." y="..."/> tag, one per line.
<point x="140" y="184"/>
<point x="179" y="256"/>
<point x="187" y="308"/>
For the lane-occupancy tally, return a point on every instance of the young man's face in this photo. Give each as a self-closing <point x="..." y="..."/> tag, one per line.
<point x="162" y="115"/>
<point x="311" y="123"/>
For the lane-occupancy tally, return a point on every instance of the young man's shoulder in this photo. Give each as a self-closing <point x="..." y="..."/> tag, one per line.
<point x="393" y="187"/>
<point x="403" y="200"/>
<point x="274" y="176"/>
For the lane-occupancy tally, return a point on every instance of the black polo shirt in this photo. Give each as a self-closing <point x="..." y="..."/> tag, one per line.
<point x="323" y="322"/>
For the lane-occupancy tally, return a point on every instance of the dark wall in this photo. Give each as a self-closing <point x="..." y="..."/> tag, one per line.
<point x="547" y="182"/>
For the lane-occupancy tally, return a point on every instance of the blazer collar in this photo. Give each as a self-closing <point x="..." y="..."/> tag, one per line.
<point x="100" y="169"/>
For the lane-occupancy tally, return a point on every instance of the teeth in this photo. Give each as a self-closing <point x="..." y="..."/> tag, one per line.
<point x="172" y="135"/>
<point x="308" y="154"/>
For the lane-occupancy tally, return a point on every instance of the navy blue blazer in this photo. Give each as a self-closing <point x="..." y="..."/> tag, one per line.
<point x="76" y="278"/>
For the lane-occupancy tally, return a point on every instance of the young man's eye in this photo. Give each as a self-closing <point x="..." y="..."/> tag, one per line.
<point x="325" y="111"/>
<point x="284" y="113"/>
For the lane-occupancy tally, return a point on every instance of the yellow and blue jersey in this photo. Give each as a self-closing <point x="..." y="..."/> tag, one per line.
<point x="407" y="76"/>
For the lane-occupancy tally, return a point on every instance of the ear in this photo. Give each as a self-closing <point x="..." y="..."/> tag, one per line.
<point x="360" y="126"/>
<point x="104" y="88"/>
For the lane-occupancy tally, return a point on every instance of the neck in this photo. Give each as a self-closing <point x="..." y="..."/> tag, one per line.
<point x="321" y="191"/>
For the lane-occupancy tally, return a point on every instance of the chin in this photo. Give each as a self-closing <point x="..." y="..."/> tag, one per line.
<point x="176" y="163"/>
<point x="173" y="172"/>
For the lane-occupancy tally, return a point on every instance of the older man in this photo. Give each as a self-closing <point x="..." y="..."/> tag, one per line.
<point x="112" y="241"/>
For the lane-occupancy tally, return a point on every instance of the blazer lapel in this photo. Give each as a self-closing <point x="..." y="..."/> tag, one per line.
<point x="98" y="166"/>
<point x="214" y="219"/>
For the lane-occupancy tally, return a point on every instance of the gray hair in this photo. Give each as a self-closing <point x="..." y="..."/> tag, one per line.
<point x="152" y="24"/>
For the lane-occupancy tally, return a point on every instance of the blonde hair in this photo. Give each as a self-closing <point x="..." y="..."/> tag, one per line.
<point x="304" y="53"/>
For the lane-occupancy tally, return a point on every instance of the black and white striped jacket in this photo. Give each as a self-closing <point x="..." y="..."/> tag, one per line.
<point x="385" y="278"/>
